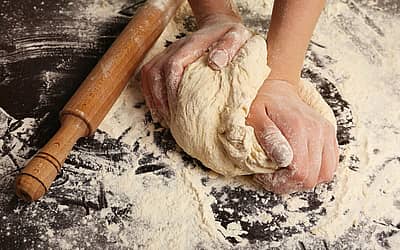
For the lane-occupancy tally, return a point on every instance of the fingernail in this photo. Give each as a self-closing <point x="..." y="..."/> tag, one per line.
<point x="282" y="155"/>
<point x="218" y="59"/>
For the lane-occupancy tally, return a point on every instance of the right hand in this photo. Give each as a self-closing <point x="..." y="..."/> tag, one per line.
<point x="294" y="136"/>
<point x="222" y="35"/>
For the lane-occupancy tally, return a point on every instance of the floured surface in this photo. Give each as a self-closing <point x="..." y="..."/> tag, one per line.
<point x="131" y="187"/>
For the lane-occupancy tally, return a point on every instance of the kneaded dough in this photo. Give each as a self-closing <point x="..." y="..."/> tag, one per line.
<point x="208" y="117"/>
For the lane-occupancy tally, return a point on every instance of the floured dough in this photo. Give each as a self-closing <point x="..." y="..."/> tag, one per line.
<point x="208" y="117"/>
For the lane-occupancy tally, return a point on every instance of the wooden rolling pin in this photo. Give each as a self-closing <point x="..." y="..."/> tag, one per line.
<point x="91" y="102"/>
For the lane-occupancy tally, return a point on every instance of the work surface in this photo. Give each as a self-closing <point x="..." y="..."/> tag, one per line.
<point x="130" y="186"/>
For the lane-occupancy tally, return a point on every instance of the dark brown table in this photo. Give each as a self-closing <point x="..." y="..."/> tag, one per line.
<point x="46" y="50"/>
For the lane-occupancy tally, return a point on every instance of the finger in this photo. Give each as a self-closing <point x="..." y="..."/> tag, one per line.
<point x="174" y="73"/>
<point x="224" y="50"/>
<point x="329" y="161"/>
<point x="146" y="83"/>
<point x="293" y="177"/>
<point x="278" y="182"/>
<point x="315" y="148"/>
<point x="158" y="89"/>
<point x="161" y="75"/>
<point x="337" y="152"/>
<point x="269" y="136"/>
<point x="159" y="93"/>
<point x="327" y="165"/>
<point x="173" y="69"/>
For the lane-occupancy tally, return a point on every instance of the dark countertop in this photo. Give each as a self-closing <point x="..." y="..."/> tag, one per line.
<point x="46" y="50"/>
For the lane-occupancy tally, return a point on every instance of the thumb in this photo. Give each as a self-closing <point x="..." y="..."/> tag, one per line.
<point x="269" y="136"/>
<point x="226" y="48"/>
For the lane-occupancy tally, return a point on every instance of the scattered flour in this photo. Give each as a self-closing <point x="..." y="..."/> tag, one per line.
<point x="370" y="84"/>
<point x="177" y="213"/>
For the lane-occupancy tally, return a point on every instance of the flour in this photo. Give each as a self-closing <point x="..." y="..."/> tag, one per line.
<point x="373" y="92"/>
<point x="167" y="201"/>
<point x="361" y="81"/>
<point x="102" y="9"/>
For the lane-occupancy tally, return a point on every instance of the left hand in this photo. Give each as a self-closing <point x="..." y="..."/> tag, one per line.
<point x="222" y="35"/>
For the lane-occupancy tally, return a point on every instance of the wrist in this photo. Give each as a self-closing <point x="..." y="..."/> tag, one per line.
<point x="287" y="77"/>
<point x="284" y="65"/>
<point x="205" y="11"/>
<point x="269" y="82"/>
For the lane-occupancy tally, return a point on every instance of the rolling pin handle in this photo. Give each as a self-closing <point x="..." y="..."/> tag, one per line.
<point x="37" y="176"/>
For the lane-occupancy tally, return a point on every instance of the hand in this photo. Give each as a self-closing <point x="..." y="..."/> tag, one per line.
<point x="222" y="34"/>
<point x="294" y="136"/>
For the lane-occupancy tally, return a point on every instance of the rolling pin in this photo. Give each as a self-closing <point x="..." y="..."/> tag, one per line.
<point x="94" y="98"/>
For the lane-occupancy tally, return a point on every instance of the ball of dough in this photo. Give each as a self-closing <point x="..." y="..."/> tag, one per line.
<point x="208" y="118"/>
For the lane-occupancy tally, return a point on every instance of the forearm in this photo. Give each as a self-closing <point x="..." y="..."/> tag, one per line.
<point x="290" y="31"/>
<point x="203" y="9"/>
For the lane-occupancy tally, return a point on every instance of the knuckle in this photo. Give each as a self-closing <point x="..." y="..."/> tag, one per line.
<point x="238" y="33"/>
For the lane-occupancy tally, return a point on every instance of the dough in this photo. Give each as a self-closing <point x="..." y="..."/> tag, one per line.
<point x="208" y="117"/>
